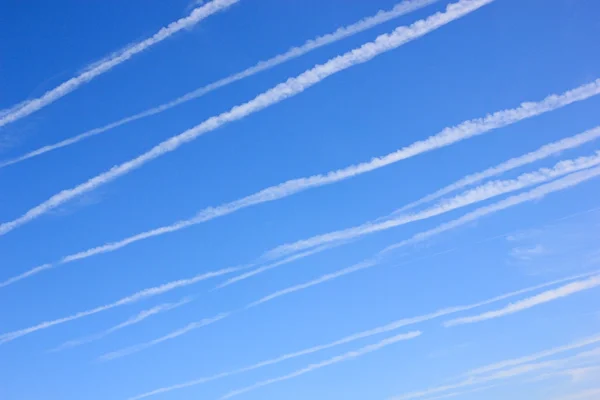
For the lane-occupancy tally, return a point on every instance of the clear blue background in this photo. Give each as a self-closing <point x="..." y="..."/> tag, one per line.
<point x="508" y="52"/>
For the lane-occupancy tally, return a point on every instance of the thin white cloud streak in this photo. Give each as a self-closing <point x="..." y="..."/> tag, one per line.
<point x="364" y="24"/>
<point x="170" y="336"/>
<point x="545" y="151"/>
<point x="290" y="88"/>
<point x="506" y="369"/>
<point x="534" y="194"/>
<point x="445" y="137"/>
<point x="146" y="293"/>
<point x="461" y="393"/>
<point x="136" y="319"/>
<point x="525" y="304"/>
<point x="334" y="360"/>
<point x="480" y="193"/>
<point x="105" y="65"/>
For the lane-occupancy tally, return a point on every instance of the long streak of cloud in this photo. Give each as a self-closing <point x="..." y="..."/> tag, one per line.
<point x="290" y="88"/>
<point x="398" y="10"/>
<point x="333" y="360"/>
<point x="99" y="68"/>
<point x="358" y="336"/>
<point x="542" y="298"/>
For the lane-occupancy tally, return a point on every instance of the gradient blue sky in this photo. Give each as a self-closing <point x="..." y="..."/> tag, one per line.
<point x="508" y="52"/>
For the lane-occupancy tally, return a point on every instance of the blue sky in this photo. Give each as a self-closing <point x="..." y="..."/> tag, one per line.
<point x="488" y="60"/>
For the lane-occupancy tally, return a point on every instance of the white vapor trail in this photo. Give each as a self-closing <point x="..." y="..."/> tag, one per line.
<point x="539" y="154"/>
<point x="136" y="319"/>
<point x="290" y="88"/>
<point x="525" y="304"/>
<point x="444" y="138"/>
<point x="534" y="194"/>
<point x="480" y="193"/>
<point x="360" y="335"/>
<point x="150" y="292"/>
<point x="97" y="69"/>
<point x="504" y="369"/>
<point x="398" y="10"/>
<point x="170" y="336"/>
<point x="334" y="360"/>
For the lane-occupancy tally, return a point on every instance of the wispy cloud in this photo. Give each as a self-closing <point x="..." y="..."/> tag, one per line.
<point x="136" y="319"/>
<point x="543" y="152"/>
<point x="527" y="253"/>
<point x="525" y="304"/>
<point x="142" y="294"/>
<point x="99" y="68"/>
<point x="290" y="88"/>
<point x="334" y="360"/>
<point x="534" y="194"/>
<point x="170" y="336"/>
<point x="398" y="10"/>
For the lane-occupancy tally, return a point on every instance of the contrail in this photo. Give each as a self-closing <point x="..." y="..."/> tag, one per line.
<point x="457" y="133"/>
<point x="136" y="319"/>
<point x="548" y="296"/>
<point x="105" y="65"/>
<point x="170" y="336"/>
<point x="398" y="10"/>
<point x="480" y="193"/>
<point x="360" y="335"/>
<point x="333" y="360"/>
<point x="534" y="194"/>
<point x="150" y="292"/>
<point x="290" y="88"/>
<point x="539" y="154"/>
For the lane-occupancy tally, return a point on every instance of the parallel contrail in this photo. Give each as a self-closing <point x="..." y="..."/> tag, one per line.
<point x="358" y="336"/>
<point x="333" y="360"/>
<point x="105" y="65"/>
<point x="542" y="298"/>
<point x="136" y="319"/>
<point x="142" y="294"/>
<point x="398" y="10"/>
<point x="532" y="195"/>
<point x="537" y="155"/>
<point x="290" y="88"/>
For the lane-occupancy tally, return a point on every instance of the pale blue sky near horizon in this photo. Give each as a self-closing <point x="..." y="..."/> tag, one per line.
<point x="495" y="58"/>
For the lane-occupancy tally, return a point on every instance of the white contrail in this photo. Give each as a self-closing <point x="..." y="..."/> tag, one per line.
<point x="139" y="347"/>
<point x="97" y="69"/>
<point x="150" y="292"/>
<point x="480" y="193"/>
<point x="398" y="10"/>
<point x="136" y="319"/>
<point x="539" y="154"/>
<point x="360" y="335"/>
<point x="290" y="88"/>
<point x="456" y="133"/>
<point x="333" y="360"/>
<point x="536" y="300"/>
<point x="515" y="367"/>
<point x="534" y="194"/>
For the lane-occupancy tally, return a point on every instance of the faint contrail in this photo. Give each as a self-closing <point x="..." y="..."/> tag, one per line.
<point x="136" y="319"/>
<point x="357" y="336"/>
<point x="542" y="298"/>
<point x="105" y="65"/>
<point x="398" y="10"/>
<point x="534" y="194"/>
<point x="539" y="154"/>
<point x="290" y="88"/>
<point x="333" y="360"/>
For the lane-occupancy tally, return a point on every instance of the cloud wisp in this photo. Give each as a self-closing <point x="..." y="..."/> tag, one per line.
<point x="96" y="69"/>
<point x="525" y="304"/>
<point x="395" y="325"/>
<point x="333" y="360"/>
<point x="290" y="88"/>
<point x="136" y="319"/>
<point x="364" y="24"/>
